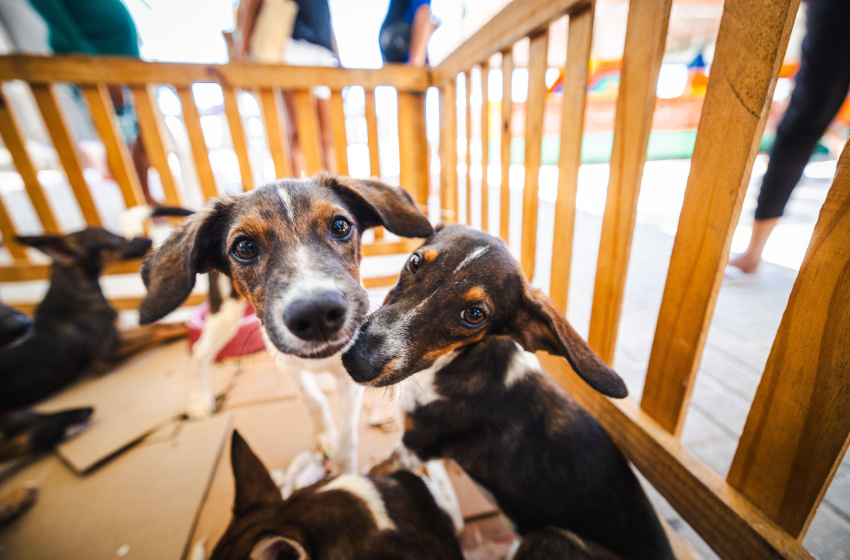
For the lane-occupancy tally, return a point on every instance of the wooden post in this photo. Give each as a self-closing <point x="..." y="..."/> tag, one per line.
<point x="448" y="152"/>
<point x="237" y="136"/>
<point x="153" y="140"/>
<point x="798" y="428"/>
<point x="750" y="48"/>
<point x="576" y="74"/>
<point x="279" y="148"/>
<point x="338" y="128"/>
<point x="57" y="128"/>
<point x="8" y="231"/>
<point x="535" y="108"/>
<point x="413" y="145"/>
<point x="485" y="146"/>
<point x="200" y="154"/>
<point x="505" y="145"/>
<point x="468" y="105"/>
<point x="14" y="142"/>
<point x="372" y="135"/>
<point x="307" y="125"/>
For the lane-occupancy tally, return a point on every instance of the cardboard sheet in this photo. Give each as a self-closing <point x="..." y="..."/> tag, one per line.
<point x="260" y="381"/>
<point x="142" y="504"/>
<point x="141" y="395"/>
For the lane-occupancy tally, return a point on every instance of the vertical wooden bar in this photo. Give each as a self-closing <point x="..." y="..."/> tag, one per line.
<point x="448" y="152"/>
<point x="200" y="155"/>
<point x="576" y="74"/>
<point x="307" y="125"/>
<point x="14" y="142"/>
<point x="505" y="141"/>
<point x="533" y="139"/>
<point x="274" y="131"/>
<point x="338" y="129"/>
<point x="645" y="38"/>
<point x="750" y="47"/>
<point x="798" y="428"/>
<point x="153" y="137"/>
<point x="468" y="104"/>
<point x="57" y="128"/>
<point x="237" y="136"/>
<point x="8" y="231"/>
<point x="413" y="145"/>
<point x="372" y="134"/>
<point x="117" y="154"/>
<point x="485" y="146"/>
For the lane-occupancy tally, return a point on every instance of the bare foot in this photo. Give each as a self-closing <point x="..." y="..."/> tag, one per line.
<point x="746" y="262"/>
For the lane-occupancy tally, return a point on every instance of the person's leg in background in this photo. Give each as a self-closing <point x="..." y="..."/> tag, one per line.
<point x="421" y="29"/>
<point x="821" y="86"/>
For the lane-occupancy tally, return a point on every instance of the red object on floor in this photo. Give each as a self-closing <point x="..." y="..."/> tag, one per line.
<point x="247" y="340"/>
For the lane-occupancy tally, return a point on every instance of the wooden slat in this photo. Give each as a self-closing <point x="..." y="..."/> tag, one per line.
<point x="278" y="147"/>
<point x="645" y="38"/>
<point x="401" y="247"/>
<point x="372" y="135"/>
<point x="468" y="105"/>
<point x="798" y="428"/>
<point x="338" y="130"/>
<point x="380" y="281"/>
<point x="517" y="20"/>
<point x="8" y="231"/>
<point x="307" y="125"/>
<point x="134" y="72"/>
<point x="14" y="142"/>
<point x="153" y="138"/>
<point x="485" y="147"/>
<point x="237" y="136"/>
<point x="117" y="154"/>
<point x="413" y="146"/>
<point x="57" y="128"/>
<point x="120" y="304"/>
<point x="576" y="75"/>
<point x="200" y="154"/>
<point x="448" y="152"/>
<point x="505" y="159"/>
<point x="728" y="522"/>
<point x="535" y="108"/>
<point x="750" y="46"/>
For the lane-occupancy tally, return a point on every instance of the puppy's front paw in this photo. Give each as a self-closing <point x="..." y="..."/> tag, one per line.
<point x="326" y="442"/>
<point x="201" y="405"/>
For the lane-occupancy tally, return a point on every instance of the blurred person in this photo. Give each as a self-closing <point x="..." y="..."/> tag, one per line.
<point x="100" y="28"/>
<point x="406" y="30"/>
<point x="822" y="84"/>
<point x="311" y="43"/>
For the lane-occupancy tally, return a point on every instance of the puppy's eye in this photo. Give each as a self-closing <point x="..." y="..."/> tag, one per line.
<point x="340" y="228"/>
<point x="473" y="316"/>
<point x="245" y="250"/>
<point x="414" y="263"/>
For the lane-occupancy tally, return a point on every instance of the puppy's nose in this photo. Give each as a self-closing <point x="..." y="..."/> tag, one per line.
<point x="318" y="317"/>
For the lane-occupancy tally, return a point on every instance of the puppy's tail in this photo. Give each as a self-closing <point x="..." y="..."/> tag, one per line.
<point x="132" y="222"/>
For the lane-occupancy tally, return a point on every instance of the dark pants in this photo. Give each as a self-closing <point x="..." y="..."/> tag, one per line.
<point x="821" y="87"/>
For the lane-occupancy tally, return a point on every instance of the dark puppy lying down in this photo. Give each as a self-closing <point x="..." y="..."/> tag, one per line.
<point x="346" y="517"/>
<point x="458" y="329"/>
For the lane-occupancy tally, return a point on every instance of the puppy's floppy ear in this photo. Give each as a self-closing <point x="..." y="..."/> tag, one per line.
<point x="54" y="246"/>
<point x="377" y="204"/>
<point x="254" y="485"/>
<point x="540" y="325"/>
<point x="275" y="547"/>
<point x="169" y="271"/>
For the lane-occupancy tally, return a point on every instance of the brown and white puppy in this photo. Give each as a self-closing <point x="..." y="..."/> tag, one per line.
<point x="291" y="249"/>
<point x="350" y="516"/>
<point x="458" y="329"/>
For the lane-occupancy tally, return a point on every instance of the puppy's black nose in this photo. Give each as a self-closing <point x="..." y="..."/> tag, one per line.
<point x="318" y="317"/>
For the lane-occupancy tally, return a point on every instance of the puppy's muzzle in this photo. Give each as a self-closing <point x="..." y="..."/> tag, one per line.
<point x="366" y="359"/>
<point x="317" y="318"/>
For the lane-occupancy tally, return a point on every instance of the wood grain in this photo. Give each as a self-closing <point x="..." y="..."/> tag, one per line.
<point x="505" y="146"/>
<point x="372" y="135"/>
<point x="798" y="428"/>
<point x="279" y="148"/>
<point x="413" y="146"/>
<point x="200" y="154"/>
<point x="237" y="136"/>
<point x="535" y="108"/>
<point x="338" y="130"/>
<point x="448" y="153"/>
<point x="307" y="125"/>
<point x="750" y="48"/>
<point x="576" y="75"/>
<point x="468" y="105"/>
<point x="14" y="142"/>
<point x="153" y="139"/>
<point x="8" y="231"/>
<point x="645" y="38"/>
<point x="66" y="149"/>
<point x="485" y="146"/>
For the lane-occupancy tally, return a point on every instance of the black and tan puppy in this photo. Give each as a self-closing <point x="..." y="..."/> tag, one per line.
<point x="74" y="329"/>
<point x="350" y="517"/>
<point x="459" y="327"/>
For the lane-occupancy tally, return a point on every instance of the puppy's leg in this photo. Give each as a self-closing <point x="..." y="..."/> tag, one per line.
<point x="400" y="458"/>
<point x="319" y="409"/>
<point x="444" y="491"/>
<point x="350" y="403"/>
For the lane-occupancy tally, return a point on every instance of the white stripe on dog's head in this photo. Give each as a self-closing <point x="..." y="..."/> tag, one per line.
<point x="362" y="487"/>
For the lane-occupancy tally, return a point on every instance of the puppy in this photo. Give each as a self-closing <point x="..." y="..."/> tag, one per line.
<point x="292" y="250"/>
<point x="350" y="516"/>
<point x="458" y="329"/>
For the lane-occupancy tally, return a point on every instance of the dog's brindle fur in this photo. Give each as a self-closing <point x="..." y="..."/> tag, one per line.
<point x="349" y="517"/>
<point x="74" y="330"/>
<point x="482" y="400"/>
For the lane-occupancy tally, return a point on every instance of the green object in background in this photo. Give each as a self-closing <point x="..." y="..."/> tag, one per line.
<point x="95" y="27"/>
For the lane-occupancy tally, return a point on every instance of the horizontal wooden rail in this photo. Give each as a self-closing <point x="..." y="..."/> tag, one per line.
<point x="725" y="519"/>
<point x="130" y="71"/>
<point x="516" y="21"/>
